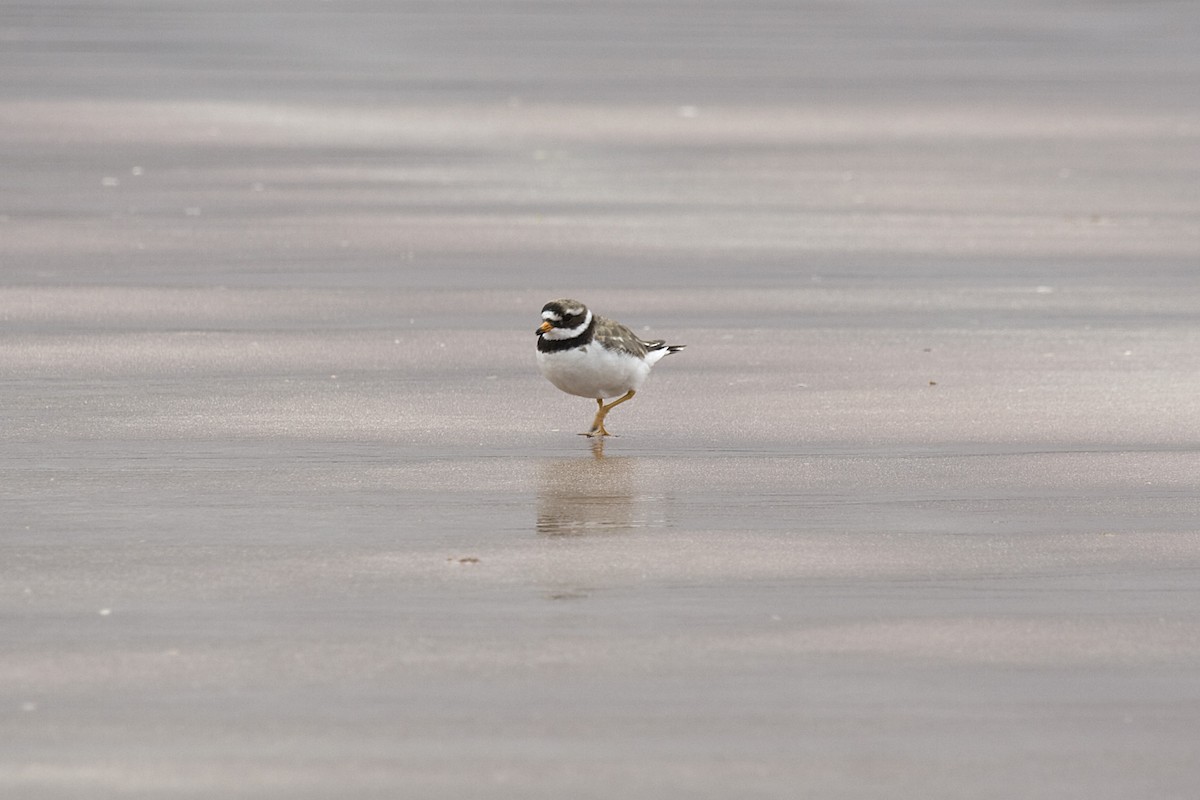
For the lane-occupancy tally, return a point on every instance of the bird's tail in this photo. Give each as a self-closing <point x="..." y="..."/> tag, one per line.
<point x="660" y="349"/>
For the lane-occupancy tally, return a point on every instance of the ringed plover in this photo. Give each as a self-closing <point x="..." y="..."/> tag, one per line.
<point x="590" y="356"/>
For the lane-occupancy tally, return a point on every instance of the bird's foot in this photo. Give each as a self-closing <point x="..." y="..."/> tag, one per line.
<point x="597" y="428"/>
<point x="596" y="432"/>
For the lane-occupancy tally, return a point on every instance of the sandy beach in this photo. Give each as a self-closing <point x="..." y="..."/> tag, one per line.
<point x="288" y="511"/>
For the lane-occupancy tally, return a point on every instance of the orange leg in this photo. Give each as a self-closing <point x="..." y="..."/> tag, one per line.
<point x="602" y="412"/>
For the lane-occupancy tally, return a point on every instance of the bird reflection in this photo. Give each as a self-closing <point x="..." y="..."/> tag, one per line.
<point x="593" y="494"/>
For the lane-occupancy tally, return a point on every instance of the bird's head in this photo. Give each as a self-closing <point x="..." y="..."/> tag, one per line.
<point x="564" y="319"/>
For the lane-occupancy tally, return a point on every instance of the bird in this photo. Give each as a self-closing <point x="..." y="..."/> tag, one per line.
<point x="589" y="356"/>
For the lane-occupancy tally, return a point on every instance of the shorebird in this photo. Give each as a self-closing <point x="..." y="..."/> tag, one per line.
<point x="590" y="356"/>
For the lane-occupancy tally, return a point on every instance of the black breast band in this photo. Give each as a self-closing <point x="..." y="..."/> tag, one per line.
<point x="558" y="345"/>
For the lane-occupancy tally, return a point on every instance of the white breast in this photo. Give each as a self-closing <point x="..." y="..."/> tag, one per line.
<point x="592" y="371"/>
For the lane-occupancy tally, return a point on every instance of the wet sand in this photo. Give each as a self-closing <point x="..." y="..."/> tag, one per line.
<point x="288" y="511"/>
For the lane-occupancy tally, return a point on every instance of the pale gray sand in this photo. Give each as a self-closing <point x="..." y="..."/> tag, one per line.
<point x="289" y="513"/>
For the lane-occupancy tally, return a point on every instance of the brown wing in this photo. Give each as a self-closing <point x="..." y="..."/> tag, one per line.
<point x="618" y="337"/>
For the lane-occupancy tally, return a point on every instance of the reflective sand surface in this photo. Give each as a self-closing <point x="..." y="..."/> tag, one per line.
<point x="288" y="511"/>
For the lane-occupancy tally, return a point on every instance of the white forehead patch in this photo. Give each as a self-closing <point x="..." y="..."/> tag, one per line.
<point x="551" y="315"/>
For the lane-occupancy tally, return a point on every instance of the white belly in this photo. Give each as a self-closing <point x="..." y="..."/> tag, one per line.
<point x="591" y="371"/>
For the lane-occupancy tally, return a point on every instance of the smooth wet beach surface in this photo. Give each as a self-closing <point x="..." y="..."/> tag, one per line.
<point x="289" y="512"/>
